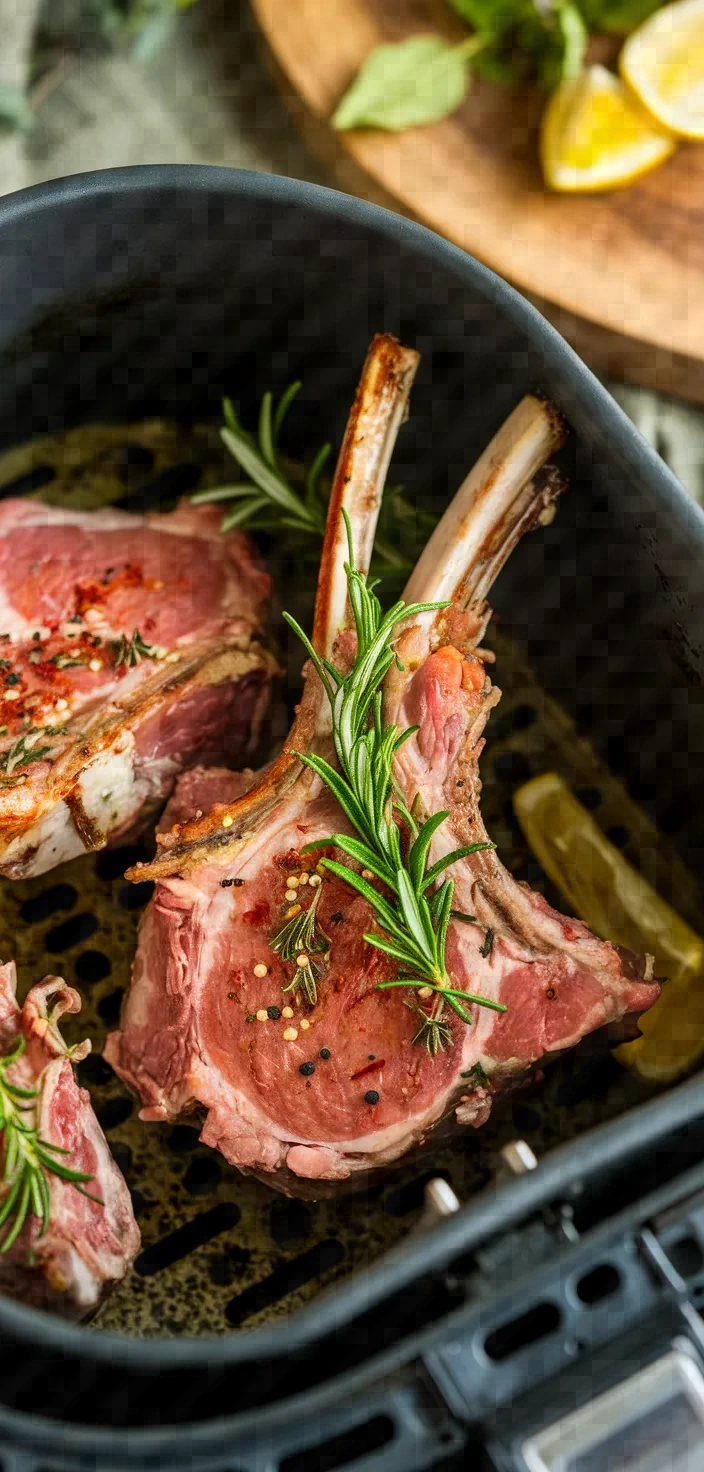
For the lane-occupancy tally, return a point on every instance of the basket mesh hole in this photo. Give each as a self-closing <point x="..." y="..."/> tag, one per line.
<point x="183" y="1137"/>
<point x="114" y="1112"/>
<point x="71" y="933"/>
<point x="291" y="1275"/>
<point x="92" y="966"/>
<point x="185" y="1239"/>
<point x="290" y="1223"/>
<point x="94" y="1070"/>
<point x="41" y="906"/>
<point x="226" y="1267"/>
<point x="122" y="1155"/>
<point x="204" y="1175"/>
<point x="109" y="1006"/>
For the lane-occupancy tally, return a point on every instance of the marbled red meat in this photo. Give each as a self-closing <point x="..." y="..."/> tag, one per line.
<point x="350" y="1090"/>
<point x="90" y="742"/>
<point x="87" y="1246"/>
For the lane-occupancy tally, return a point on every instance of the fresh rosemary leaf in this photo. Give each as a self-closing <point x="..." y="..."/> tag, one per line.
<point x="65" y="661"/>
<point x="302" y="936"/>
<point x="413" y="925"/>
<point x="23" y="751"/>
<point x="129" y="652"/>
<point x="28" y="1159"/>
<point x="476" y="1075"/>
<point x="270" y="501"/>
<point x="459" y="853"/>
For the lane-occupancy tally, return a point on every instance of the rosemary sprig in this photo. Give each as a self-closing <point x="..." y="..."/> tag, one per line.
<point x="301" y="937"/>
<point x="413" y="922"/>
<point x="28" y="1159"/>
<point x="267" y="499"/>
<point x="130" y="651"/>
<point x="23" y="751"/>
<point x="66" y="661"/>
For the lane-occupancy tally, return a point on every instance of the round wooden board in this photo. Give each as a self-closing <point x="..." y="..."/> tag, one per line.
<point x="621" y="274"/>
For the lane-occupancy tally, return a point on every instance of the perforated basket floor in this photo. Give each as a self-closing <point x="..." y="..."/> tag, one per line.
<point x="220" y="1251"/>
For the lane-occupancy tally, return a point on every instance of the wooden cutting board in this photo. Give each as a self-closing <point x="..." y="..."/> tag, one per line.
<point x="621" y="274"/>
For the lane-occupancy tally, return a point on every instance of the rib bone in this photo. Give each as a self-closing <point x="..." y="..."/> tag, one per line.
<point x="376" y="415"/>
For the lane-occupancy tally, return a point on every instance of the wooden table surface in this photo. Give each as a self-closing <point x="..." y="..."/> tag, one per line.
<point x="208" y="97"/>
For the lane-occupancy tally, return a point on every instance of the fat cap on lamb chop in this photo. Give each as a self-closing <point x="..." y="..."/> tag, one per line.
<point x="129" y="649"/>
<point x="342" y="1085"/>
<point x="67" y="1226"/>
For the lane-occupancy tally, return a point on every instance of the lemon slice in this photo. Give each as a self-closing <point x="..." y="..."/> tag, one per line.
<point x="595" y="135"/>
<point x="663" y="61"/>
<point x="619" y="905"/>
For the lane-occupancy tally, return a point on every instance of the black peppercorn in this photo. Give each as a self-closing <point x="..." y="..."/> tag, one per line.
<point x="273" y="1013"/>
<point x="325" y="1052"/>
<point x="12" y="680"/>
<point x="371" y="1097"/>
<point x="306" y="1069"/>
<point x="371" y="1057"/>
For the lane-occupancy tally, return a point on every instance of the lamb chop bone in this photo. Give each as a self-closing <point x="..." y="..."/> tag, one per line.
<point x="379" y="407"/>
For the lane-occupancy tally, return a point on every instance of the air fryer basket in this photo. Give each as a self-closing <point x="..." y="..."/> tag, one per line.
<point x="222" y="1251"/>
<point x="136" y="299"/>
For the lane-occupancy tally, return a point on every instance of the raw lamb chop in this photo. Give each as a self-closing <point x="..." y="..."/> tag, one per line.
<point x="129" y="649"/>
<point x="91" y="1237"/>
<point x="339" y="1086"/>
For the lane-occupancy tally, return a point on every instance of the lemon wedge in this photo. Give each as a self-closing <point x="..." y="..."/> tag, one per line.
<point x="663" y="62"/>
<point x="618" y="904"/>
<point x="595" y="135"/>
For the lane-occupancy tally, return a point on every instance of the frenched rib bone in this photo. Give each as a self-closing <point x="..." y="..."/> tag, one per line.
<point x="340" y="1089"/>
<point x="376" y="415"/>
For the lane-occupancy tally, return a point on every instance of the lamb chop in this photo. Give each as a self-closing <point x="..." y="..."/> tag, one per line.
<point x="67" y="1229"/>
<point x="129" y="649"/>
<point x="364" y="1061"/>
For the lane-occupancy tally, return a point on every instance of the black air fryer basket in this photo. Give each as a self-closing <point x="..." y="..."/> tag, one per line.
<point x="256" y="1334"/>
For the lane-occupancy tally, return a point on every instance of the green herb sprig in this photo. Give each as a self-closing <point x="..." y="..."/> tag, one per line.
<point x="66" y="661"/>
<point x="28" y="1159"/>
<point x="414" y="920"/>
<point x="267" y="498"/>
<point x="130" y="652"/>
<point x="269" y="501"/>
<point x="423" y="78"/>
<point x="301" y="937"/>
<point x="23" y="751"/>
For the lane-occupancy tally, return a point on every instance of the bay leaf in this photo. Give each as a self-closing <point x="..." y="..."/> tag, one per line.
<point x="406" y="84"/>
